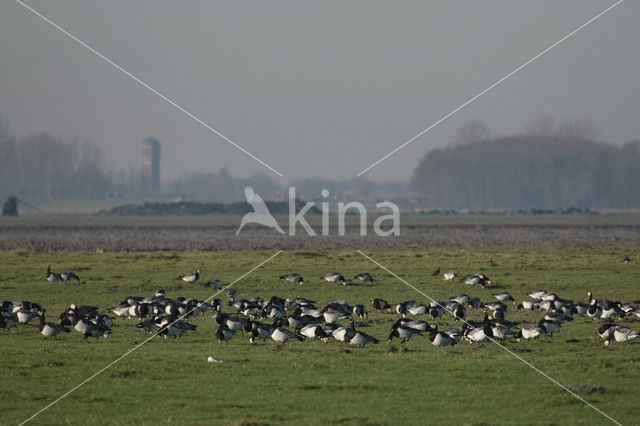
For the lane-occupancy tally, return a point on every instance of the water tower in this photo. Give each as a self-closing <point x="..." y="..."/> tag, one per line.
<point x="151" y="164"/>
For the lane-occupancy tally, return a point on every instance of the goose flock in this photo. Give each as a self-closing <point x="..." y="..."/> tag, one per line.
<point x="299" y="319"/>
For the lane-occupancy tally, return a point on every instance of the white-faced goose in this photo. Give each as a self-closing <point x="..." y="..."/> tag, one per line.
<point x="68" y="276"/>
<point x="504" y="297"/>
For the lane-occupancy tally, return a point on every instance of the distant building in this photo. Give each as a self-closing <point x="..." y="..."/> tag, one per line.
<point x="150" y="173"/>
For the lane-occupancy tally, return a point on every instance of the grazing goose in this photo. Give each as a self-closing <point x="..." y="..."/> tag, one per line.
<point x="335" y="277"/>
<point x="293" y="278"/>
<point x="504" y="297"/>
<point x="436" y="272"/>
<point x="537" y="294"/>
<point x="549" y="326"/>
<point x="52" y="277"/>
<point x="333" y="316"/>
<point x="233" y="323"/>
<point x="49" y="329"/>
<point x="224" y="334"/>
<point x="436" y="311"/>
<point x="67" y="276"/>
<point x="314" y="331"/>
<point x="473" y="335"/>
<point x="528" y="304"/>
<point x="475" y="303"/>
<point x="7" y="323"/>
<point x="530" y="331"/>
<point x="502" y="333"/>
<point x="282" y="335"/>
<point x="258" y="330"/>
<point x="626" y="259"/>
<point x="462" y="299"/>
<point x="232" y="294"/>
<point x="449" y="275"/>
<point x="475" y="279"/>
<point x="148" y="325"/>
<point x="402" y="332"/>
<point x="190" y="278"/>
<point x="438" y="338"/>
<point x="381" y="305"/>
<point x="417" y="324"/>
<point x="365" y="277"/>
<point x="360" y="339"/>
<point x="460" y="313"/>
<point x="360" y="311"/>
<point x="214" y="284"/>
<point x="419" y="309"/>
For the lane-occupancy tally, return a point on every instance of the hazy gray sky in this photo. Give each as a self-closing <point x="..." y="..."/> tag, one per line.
<point x="313" y="88"/>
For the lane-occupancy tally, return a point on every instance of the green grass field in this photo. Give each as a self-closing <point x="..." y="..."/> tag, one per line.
<point x="170" y="381"/>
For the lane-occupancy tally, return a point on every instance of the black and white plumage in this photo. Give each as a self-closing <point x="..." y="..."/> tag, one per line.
<point x="293" y="278"/>
<point x="224" y="334"/>
<point x="335" y="277"/>
<point x="365" y="277"/>
<point x="49" y="329"/>
<point x="380" y="304"/>
<point x="68" y="276"/>
<point x="52" y="277"/>
<point x="476" y="279"/>
<point x="504" y="297"/>
<point x="314" y="331"/>
<point x="191" y="278"/>
<point x="360" y="311"/>
<point x="449" y="275"/>
<point x="624" y="334"/>
<point x="282" y="335"/>
<point x="438" y="338"/>
<point x="401" y="332"/>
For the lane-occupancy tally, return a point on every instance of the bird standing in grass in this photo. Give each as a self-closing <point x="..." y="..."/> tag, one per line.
<point x="52" y="277"/>
<point x="293" y="278"/>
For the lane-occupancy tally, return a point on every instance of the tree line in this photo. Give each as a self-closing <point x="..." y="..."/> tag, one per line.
<point x="547" y="167"/>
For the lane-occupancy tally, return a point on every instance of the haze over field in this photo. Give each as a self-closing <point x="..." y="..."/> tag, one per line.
<point x="312" y="89"/>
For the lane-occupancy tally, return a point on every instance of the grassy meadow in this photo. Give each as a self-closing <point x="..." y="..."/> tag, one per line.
<point x="170" y="381"/>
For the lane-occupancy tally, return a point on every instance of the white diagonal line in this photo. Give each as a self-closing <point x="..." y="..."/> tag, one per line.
<point x="143" y="343"/>
<point x="146" y="86"/>
<point x="499" y="345"/>
<point x="452" y="112"/>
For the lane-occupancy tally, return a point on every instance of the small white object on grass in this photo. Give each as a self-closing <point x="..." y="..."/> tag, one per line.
<point x="212" y="359"/>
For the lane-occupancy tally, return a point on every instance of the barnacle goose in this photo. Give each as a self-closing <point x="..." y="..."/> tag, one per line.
<point x="335" y="277"/>
<point x="438" y="338"/>
<point x="449" y="275"/>
<point x="49" y="329"/>
<point x="402" y="332"/>
<point x="190" y="278"/>
<point x="224" y="334"/>
<point x="364" y="277"/>
<point x="282" y="335"/>
<point x="293" y="278"/>
<point x="52" y="277"/>
<point x="380" y="304"/>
